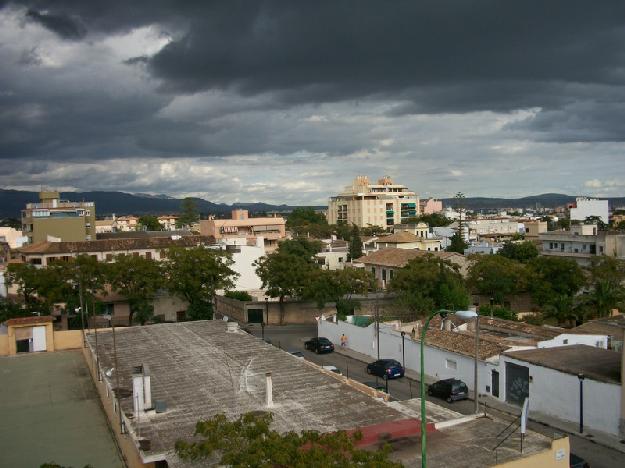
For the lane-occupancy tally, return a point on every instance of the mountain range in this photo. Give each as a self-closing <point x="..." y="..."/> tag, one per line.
<point x="120" y="203"/>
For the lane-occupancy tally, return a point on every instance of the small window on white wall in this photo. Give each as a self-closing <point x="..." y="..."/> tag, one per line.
<point x="451" y="364"/>
<point x="565" y="341"/>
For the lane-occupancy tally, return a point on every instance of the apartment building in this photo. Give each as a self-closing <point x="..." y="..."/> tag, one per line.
<point x="127" y="223"/>
<point x="364" y="204"/>
<point x="585" y="207"/>
<point x="492" y="227"/>
<point x="241" y="225"/>
<point x="534" y="228"/>
<point x="430" y="206"/>
<point x="583" y="242"/>
<point x="168" y="222"/>
<point x="53" y="218"/>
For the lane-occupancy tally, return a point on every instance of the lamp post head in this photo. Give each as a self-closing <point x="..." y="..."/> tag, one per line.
<point x="580" y="376"/>
<point x="466" y="314"/>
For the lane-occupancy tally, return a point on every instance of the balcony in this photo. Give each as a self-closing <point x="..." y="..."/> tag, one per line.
<point x="61" y="204"/>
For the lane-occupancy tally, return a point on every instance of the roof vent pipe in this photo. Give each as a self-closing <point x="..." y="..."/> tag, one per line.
<point x="269" y="392"/>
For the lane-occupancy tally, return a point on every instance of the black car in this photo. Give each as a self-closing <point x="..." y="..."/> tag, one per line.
<point x="386" y="368"/>
<point x="319" y="345"/>
<point x="449" y="389"/>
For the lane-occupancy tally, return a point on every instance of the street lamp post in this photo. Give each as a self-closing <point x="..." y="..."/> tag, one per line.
<point x="477" y="349"/>
<point x="403" y="353"/>
<point x="266" y="310"/>
<point x="581" y="402"/>
<point x="464" y="314"/>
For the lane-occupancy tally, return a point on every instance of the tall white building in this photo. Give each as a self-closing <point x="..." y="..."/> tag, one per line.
<point x="364" y="204"/>
<point x="585" y="207"/>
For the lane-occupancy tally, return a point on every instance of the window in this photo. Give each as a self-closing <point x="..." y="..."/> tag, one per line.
<point x="109" y="257"/>
<point x="383" y="275"/>
<point x="148" y="255"/>
<point x="565" y="341"/>
<point x="135" y="254"/>
<point x="391" y="273"/>
<point x="373" y="270"/>
<point x="600" y="249"/>
<point x="340" y="259"/>
<point x="451" y="364"/>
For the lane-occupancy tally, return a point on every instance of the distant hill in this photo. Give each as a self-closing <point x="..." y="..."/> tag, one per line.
<point x="546" y="200"/>
<point x="120" y="203"/>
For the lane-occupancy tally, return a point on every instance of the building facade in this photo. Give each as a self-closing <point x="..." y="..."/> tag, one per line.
<point x="59" y="219"/>
<point x="430" y="206"/>
<point x="364" y="204"/>
<point x="586" y="207"/>
<point x="241" y="225"/>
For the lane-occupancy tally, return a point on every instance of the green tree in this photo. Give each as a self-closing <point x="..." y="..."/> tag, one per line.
<point x="40" y="288"/>
<point x="601" y="226"/>
<point x="188" y="213"/>
<point x="496" y="276"/>
<point x="300" y="247"/>
<point x="239" y="295"/>
<point x="149" y="223"/>
<point x="607" y="275"/>
<point x="195" y="275"/>
<point x="338" y="286"/>
<point x="520" y="251"/>
<point x="371" y="230"/>
<point x="342" y="231"/>
<point x="10" y="309"/>
<point x="432" y="220"/>
<point x="355" y="244"/>
<point x="285" y="274"/>
<point x="249" y="441"/>
<point x="553" y="283"/>
<point x="304" y="221"/>
<point x="457" y="244"/>
<point x="427" y="283"/>
<point x="620" y="226"/>
<point x="137" y="279"/>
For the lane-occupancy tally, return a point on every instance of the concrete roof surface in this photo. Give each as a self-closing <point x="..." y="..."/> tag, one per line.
<point x="200" y="370"/>
<point x="595" y="363"/>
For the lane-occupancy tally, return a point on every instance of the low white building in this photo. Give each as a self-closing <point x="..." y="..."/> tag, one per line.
<point x="551" y="379"/>
<point x="13" y="237"/>
<point x="332" y="260"/>
<point x="585" y="207"/>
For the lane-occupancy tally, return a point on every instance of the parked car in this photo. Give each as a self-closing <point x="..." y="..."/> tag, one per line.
<point x="319" y="345"/>
<point x="449" y="389"/>
<point x="334" y="369"/>
<point x="297" y="354"/>
<point x="386" y="368"/>
<point x="577" y="462"/>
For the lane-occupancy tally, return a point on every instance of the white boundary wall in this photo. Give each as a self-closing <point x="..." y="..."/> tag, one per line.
<point x="556" y="394"/>
<point x="439" y="363"/>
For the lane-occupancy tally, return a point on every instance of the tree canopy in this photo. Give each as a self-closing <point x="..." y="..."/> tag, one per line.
<point x="457" y="244"/>
<point x="607" y="275"/>
<point x="195" y="275"/>
<point x="520" y="251"/>
<point x="303" y="221"/>
<point x="149" y="223"/>
<point x="137" y="279"/>
<point x="355" y="244"/>
<point x="496" y="276"/>
<point x="249" y="441"/>
<point x="427" y="283"/>
<point x="188" y="213"/>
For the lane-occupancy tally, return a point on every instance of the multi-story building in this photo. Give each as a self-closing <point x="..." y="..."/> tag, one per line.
<point x="582" y="243"/>
<point x="492" y="227"/>
<point x="14" y="238"/>
<point x="364" y="204"/>
<point x="168" y="222"/>
<point x="586" y="207"/>
<point x="241" y="225"/>
<point x="58" y="219"/>
<point x="431" y="205"/>
<point x="127" y="223"/>
<point x="534" y="228"/>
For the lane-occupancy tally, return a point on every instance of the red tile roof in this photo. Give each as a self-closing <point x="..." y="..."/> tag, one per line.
<point x="29" y="320"/>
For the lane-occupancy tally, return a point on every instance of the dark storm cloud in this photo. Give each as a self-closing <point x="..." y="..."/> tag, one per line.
<point x="64" y="26"/>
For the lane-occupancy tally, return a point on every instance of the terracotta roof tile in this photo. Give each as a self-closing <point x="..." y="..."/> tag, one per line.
<point x="400" y="257"/>
<point x="111" y="245"/>
<point x="29" y="320"/>
<point x="399" y="238"/>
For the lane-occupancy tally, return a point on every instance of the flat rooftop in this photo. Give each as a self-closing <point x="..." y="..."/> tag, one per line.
<point x="595" y="363"/>
<point x="51" y="412"/>
<point x="199" y="369"/>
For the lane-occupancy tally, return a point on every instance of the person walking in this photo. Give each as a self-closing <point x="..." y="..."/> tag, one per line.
<point x="343" y="341"/>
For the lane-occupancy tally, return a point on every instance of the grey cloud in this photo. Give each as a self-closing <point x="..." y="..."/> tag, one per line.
<point x="65" y="26"/>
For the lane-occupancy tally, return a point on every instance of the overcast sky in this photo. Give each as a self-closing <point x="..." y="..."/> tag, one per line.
<point x="287" y="101"/>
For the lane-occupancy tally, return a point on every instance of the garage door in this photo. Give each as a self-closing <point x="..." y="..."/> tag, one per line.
<point x="517" y="383"/>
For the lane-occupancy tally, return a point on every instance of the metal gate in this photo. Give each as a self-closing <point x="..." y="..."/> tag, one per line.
<point x="39" y="339"/>
<point x="517" y="383"/>
<point x="495" y="383"/>
<point x="255" y="315"/>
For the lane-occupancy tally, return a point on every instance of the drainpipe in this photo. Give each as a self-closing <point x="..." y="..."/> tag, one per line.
<point x="269" y="392"/>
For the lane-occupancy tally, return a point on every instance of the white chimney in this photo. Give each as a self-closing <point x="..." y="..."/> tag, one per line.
<point x="269" y="393"/>
<point x="147" y="388"/>
<point x="137" y="394"/>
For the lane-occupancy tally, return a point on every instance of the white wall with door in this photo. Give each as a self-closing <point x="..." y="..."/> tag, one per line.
<point x="556" y="394"/>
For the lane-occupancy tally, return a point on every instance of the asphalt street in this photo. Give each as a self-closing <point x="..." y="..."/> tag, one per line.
<point x="292" y="338"/>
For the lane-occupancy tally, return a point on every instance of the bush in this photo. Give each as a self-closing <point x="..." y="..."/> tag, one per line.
<point x="239" y="295"/>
